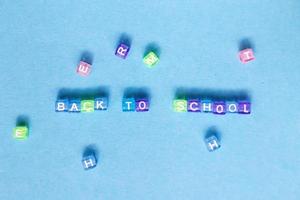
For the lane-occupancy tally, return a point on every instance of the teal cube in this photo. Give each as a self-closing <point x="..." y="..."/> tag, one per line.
<point x="128" y="104"/>
<point x="89" y="162"/>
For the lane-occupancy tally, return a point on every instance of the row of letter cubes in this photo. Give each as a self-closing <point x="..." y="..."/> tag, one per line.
<point x="142" y="105"/>
<point x="216" y="107"/>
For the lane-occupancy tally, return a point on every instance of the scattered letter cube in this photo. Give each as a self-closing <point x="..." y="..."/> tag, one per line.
<point x="87" y="106"/>
<point x="20" y="132"/>
<point x="83" y="68"/>
<point x="180" y="105"/>
<point x="212" y="143"/>
<point x="61" y="105"/>
<point x="122" y="50"/>
<point x="89" y="162"/>
<point x="128" y="105"/>
<point x="151" y="59"/>
<point x="219" y="108"/>
<point x="246" y="55"/>
<point x="142" y="105"/>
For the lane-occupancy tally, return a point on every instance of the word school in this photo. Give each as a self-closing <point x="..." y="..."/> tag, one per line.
<point x="208" y="106"/>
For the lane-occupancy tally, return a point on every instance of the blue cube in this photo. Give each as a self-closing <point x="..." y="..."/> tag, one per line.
<point x="89" y="162"/>
<point x="128" y="105"/>
<point x="212" y="143"/>
<point x="61" y="105"/>
<point x="75" y="105"/>
<point x="101" y="103"/>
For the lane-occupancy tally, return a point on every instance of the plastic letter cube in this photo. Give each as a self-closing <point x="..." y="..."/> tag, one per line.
<point x="219" y="108"/>
<point x="244" y="107"/>
<point x="212" y="143"/>
<point x="246" y="55"/>
<point x="87" y="106"/>
<point x="151" y="59"/>
<point x="206" y="105"/>
<point x="194" y="105"/>
<point x="142" y="105"/>
<point x="128" y="104"/>
<point x="89" y="162"/>
<point x="61" y="105"/>
<point x="180" y="105"/>
<point x="84" y="68"/>
<point x="232" y="107"/>
<point x="74" y="105"/>
<point x="101" y="103"/>
<point x="122" y="50"/>
<point x="20" y="132"/>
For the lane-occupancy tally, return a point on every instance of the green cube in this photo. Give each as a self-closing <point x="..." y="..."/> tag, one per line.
<point x="151" y="59"/>
<point x="180" y="105"/>
<point x="20" y="132"/>
<point x="87" y="105"/>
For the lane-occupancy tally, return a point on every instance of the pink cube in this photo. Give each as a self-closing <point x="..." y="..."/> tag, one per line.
<point x="246" y="55"/>
<point x="83" y="68"/>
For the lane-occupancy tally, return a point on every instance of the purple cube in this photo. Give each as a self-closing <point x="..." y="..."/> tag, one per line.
<point x="122" y="50"/>
<point x="194" y="105"/>
<point x="244" y="107"/>
<point x="142" y="105"/>
<point x="219" y="108"/>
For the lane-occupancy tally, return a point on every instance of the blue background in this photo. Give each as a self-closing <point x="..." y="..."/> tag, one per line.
<point x="159" y="154"/>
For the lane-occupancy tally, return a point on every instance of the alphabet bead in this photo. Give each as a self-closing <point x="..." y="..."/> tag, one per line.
<point x="219" y="108"/>
<point x="83" y="68"/>
<point x="194" y="105"/>
<point x="246" y="55"/>
<point x="128" y="105"/>
<point x="212" y="143"/>
<point x="122" y="50"/>
<point x="142" y="105"/>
